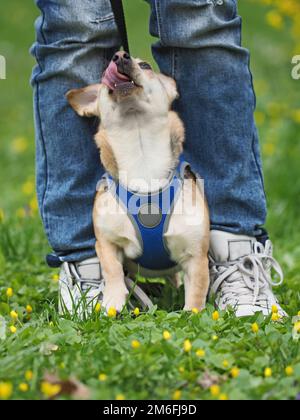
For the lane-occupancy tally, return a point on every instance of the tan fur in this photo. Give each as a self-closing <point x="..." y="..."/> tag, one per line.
<point x="140" y="139"/>
<point x="106" y="153"/>
<point x="177" y="134"/>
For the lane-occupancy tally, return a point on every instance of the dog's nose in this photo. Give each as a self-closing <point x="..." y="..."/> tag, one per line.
<point x="122" y="58"/>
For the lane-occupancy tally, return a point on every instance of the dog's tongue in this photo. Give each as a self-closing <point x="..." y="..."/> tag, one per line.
<point x="112" y="78"/>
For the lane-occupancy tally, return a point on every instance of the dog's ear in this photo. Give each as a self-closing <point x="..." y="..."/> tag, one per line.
<point x="85" y="101"/>
<point x="170" y="86"/>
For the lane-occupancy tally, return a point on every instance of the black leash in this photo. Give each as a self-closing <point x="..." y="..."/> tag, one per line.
<point x="118" y="10"/>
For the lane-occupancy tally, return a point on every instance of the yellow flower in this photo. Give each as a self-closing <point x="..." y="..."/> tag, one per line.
<point x="29" y="309"/>
<point x="166" y="335"/>
<point x="235" y="372"/>
<point x="135" y="344"/>
<point x="215" y="390"/>
<point x="274" y="309"/>
<point x="23" y="387"/>
<point x="19" y="144"/>
<point x="274" y="19"/>
<point x="200" y="353"/>
<point x="14" y="315"/>
<point x="289" y="371"/>
<point x="28" y="375"/>
<point x="299" y="313"/>
<point x="187" y="346"/>
<point x="255" y="328"/>
<point x="195" y="310"/>
<point x="216" y="316"/>
<point x="275" y="317"/>
<point x="223" y="397"/>
<point x="102" y="377"/>
<point x="50" y="390"/>
<point x="98" y="307"/>
<point x="269" y="149"/>
<point x="136" y="312"/>
<point x="297" y="327"/>
<point x="260" y="117"/>
<point x="177" y="395"/>
<point x="1" y="215"/>
<point x="120" y="397"/>
<point x="13" y="329"/>
<point x="112" y="312"/>
<point x="21" y="213"/>
<point x="225" y="364"/>
<point x="181" y="369"/>
<point x="28" y="188"/>
<point x="33" y="204"/>
<point x="215" y="338"/>
<point x="6" y="390"/>
<point x="9" y="292"/>
<point x="55" y="278"/>
<point x="268" y="373"/>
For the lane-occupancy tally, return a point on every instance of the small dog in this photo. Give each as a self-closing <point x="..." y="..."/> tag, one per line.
<point x="141" y="140"/>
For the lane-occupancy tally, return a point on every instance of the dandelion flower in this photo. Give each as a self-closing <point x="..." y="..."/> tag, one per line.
<point x="297" y="327"/>
<point x="195" y="310"/>
<point x="215" y="338"/>
<point x="216" y="316"/>
<point x="28" y="375"/>
<point x="289" y="371"/>
<point x="274" y="309"/>
<point x="275" y="317"/>
<point x="177" y="395"/>
<point x="166" y="335"/>
<point x="14" y="315"/>
<point x="223" y="397"/>
<point x="255" y="328"/>
<point x="13" y="329"/>
<point x="235" y="372"/>
<point x="55" y="278"/>
<point x="225" y="364"/>
<point x="23" y="387"/>
<point x="112" y="312"/>
<point x="29" y="309"/>
<point x="102" y="377"/>
<point x="135" y="344"/>
<point x="9" y="292"/>
<point x="120" y="397"/>
<point x="98" y="307"/>
<point x="215" y="390"/>
<point x="268" y="372"/>
<point x="50" y="390"/>
<point x="200" y="353"/>
<point x="136" y="312"/>
<point x="187" y="346"/>
<point x="6" y="390"/>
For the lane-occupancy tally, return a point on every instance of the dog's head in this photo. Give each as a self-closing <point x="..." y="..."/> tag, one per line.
<point x="128" y="85"/>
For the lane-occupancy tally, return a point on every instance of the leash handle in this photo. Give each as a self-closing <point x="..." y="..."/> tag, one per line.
<point x="118" y="10"/>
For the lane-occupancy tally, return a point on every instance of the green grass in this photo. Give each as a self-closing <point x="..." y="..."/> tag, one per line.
<point x="102" y="345"/>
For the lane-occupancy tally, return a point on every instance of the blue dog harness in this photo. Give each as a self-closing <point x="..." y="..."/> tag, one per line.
<point x="150" y="215"/>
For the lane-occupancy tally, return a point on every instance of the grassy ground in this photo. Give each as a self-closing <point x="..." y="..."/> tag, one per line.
<point x="156" y="367"/>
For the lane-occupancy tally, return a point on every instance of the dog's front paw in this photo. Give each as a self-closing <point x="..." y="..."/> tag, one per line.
<point x="115" y="299"/>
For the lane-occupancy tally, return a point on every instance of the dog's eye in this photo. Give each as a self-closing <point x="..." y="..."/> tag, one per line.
<point x="145" y="66"/>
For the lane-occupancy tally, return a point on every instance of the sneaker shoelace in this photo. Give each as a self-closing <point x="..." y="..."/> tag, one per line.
<point x="86" y="285"/>
<point x="247" y="277"/>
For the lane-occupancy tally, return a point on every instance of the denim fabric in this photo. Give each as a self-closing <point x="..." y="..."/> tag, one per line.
<point x="200" y="45"/>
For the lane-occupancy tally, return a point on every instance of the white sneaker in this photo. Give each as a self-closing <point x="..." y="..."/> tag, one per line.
<point x="240" y="272"/>
<point x="80" y="287"/>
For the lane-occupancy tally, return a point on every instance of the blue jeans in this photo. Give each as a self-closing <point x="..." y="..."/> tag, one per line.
<point x="199" y="44"/>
